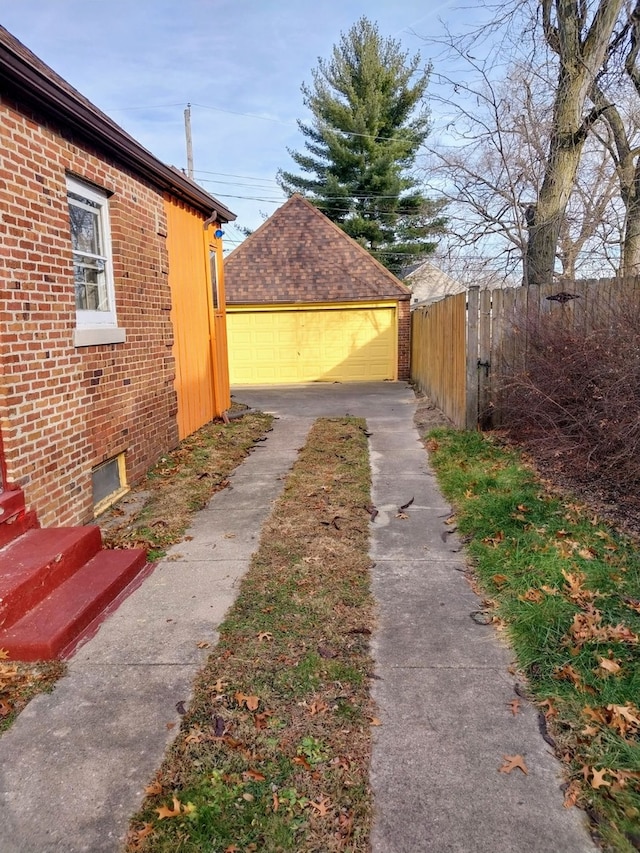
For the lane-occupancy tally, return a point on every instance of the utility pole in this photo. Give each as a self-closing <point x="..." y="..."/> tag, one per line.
<point x="187" y="130"/>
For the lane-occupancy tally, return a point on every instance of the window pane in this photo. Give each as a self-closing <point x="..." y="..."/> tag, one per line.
<point x="91" y="283"/>
<point x="85" y="229"/>
<point x="106" y="480"/>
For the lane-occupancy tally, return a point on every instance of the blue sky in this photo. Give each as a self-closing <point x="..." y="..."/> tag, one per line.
<point x="239" y="63"/>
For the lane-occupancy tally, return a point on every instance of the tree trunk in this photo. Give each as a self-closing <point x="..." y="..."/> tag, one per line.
<point x="581" y="56"/>
<point x="630" y="264"/>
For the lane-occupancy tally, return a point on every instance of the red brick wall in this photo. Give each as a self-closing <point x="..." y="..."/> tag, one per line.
<point x="65" y="409"/>
<point x="404" y="341"/>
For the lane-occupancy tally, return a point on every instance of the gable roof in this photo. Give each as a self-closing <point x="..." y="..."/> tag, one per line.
<point x="298" y="255"/>
<point x="428" y="283"/>
<point x="28" y="79"/>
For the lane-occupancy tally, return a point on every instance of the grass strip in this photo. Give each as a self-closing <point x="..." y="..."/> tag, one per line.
<point x="182" y="482"/>
<point x="565" y="587"/>
<point x="273" y="752"/>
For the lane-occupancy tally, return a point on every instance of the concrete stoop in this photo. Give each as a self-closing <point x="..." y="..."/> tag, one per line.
<point x="55" y="583"/>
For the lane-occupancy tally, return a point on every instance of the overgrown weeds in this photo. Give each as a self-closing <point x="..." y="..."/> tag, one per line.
<point x="566" y="589"/>
<point x="577" y="400"/>
<point x="273" y="752"/>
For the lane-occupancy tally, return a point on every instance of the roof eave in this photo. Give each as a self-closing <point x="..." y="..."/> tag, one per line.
<point x="17" y="77"/>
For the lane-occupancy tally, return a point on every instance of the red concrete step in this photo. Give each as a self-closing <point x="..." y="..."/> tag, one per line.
<point x="15" y="526"/>
<point x="11" y="503"/>
<point x="15" y="519"/>
<point x="32" y="565"/>
<point x="52" y="625"/>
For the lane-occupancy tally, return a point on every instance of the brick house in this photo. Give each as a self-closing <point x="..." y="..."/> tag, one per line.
<point x="112" y="345"/>
<point x="102" y="247"/>
<point x="307" y="303"/>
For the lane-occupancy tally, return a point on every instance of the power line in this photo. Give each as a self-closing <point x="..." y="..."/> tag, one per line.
<point x="244" y="115"/>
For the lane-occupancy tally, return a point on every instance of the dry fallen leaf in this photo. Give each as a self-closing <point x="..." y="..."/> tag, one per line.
<point x="153" y="788"/>
<point x="322" y="806"/>
<point x="265" y="635"/>
<point x="253" y="776"/>
<point x="551" y="711"/>
<point x="4" y="654"/>
<point x="165" y="811"/>
<point x="568" y="673"/>
<point x="535" y="596"/>
<point x="302" y="761"/>
<point x="515" y="706"/>
<point x="137" y="836"/>
<point x="610" y="667"/>
<point x="203" y="644"/>
<point x="260" y="721"/>
<point x="598" y="780"/>
<point x="571" y="794"/>
<point x="513" y="762"/>
<point x="276" y="802"/>
<point x="375" y="721"/>
<point x="500" y="580"/>
<point x="251" y="702"/>
<point x="195" y="735"/>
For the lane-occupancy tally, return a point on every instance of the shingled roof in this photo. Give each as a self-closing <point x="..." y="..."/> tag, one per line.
<point x="300" y="256"/>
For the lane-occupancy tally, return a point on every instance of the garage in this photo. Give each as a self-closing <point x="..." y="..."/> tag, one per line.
<point x="332" y="343"/>
<point x="306" y="303"/>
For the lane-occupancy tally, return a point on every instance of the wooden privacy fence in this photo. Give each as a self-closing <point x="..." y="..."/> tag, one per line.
<point x="465" y="347"/>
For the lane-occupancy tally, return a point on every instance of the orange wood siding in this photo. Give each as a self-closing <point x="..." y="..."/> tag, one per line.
<point x="199" y="344"/>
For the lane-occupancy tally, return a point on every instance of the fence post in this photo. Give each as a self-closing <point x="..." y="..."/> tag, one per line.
<point x="471" y="415"/>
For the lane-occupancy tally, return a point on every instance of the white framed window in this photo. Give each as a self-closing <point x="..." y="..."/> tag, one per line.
<point x="96" y="321"/>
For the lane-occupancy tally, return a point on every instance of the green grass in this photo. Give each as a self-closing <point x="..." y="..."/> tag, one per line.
<point x="182" y="482"/>
<point x="565" y="587"/>
<point x="273" y="753"/>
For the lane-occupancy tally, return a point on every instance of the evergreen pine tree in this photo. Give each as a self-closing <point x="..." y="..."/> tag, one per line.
<point x="369" y="122"/>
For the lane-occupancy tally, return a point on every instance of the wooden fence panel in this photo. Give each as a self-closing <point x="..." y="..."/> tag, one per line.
<point x="438" y="354"/>
<point x="462" y="358"/>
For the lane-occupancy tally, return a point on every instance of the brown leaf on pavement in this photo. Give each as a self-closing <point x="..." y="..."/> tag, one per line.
<point x="515" y="706"/>
<point x="513" y="762"/>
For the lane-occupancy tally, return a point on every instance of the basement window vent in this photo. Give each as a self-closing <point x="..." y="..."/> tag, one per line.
<point x="109" y="482"/>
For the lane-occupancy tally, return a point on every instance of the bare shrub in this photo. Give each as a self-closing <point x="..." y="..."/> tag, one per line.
<point x="577" y="401"/>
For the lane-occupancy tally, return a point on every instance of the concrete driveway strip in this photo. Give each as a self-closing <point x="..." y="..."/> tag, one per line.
<point x="73" y="767"/>
<point x="443" y="683"/>
<point x="443" y="687"/>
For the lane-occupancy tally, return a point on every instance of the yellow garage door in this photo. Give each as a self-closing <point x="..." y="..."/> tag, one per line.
<point x="288" y="345"/>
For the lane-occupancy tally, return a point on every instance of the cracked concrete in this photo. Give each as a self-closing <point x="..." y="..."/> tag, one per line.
<point x="74" y="765"/>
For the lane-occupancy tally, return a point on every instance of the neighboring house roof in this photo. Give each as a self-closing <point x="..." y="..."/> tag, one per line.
<point x="299" y="256"/>
<point x="26" y="77"/>
<point x="429" y="283"/>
